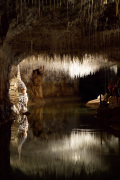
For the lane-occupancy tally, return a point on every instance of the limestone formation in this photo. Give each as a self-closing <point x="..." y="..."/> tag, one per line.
<point x="61" y="27"/>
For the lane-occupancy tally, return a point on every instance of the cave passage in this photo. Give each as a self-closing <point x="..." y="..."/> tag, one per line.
<point x="59" y="54"/>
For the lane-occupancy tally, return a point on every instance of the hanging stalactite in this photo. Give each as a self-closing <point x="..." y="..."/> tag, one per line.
<point x="0" y="24"/>
<point x="39" y="8"/>
<point x="54" y="5"/>
<point x="67" y="8"/>
<point x="31" y="46"/>
<point x="21" y="8"/>
<point x="25" y="3"/>
<point x="117" y="3"/>
<point x="50" y="5"/>
<point x="60" y="3"/>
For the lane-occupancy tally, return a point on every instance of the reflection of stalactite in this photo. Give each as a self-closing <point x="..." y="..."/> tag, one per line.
<point x="22" y="132"/>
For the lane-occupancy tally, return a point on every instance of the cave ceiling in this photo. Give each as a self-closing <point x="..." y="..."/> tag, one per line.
<point x="74" y="27"/>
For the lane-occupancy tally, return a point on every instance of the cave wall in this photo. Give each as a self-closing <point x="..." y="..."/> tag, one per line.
<point x="50" y="84"/>
<point x="4" y="85"/>
<point x="60" y="27"/>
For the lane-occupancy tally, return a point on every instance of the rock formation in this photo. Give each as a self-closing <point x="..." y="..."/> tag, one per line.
<point x="68" y="27"/>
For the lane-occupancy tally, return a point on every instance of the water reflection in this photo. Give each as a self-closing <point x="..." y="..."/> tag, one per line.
<point x="5" y="151"/>
<point x="67" y="153"/>
<point x="19" y="100"/>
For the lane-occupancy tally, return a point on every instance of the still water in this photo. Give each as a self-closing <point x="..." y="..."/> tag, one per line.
<point x="63" y="141"/>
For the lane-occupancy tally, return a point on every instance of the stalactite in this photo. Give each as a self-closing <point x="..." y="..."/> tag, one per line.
<point x="1" y="87"/>
<point x="43" y="4"/>
<point x="31" y="45"/>
<point x="54" y="5"/>
<point x="91" y="13"/>
<point x="39" y="7"/>
<point x="0" y="22"/>
<point x="50" y="5"/>
<point x="117" y="3"/>
<point x="57" y="3"/>
<point x="16" y="6"/>
<point x="60" y="3"/>
<point x="35" y="2"/>
<point x="17" y="20"/>
<point x="104" y="1"/>
<point x="92" y="2"/>
<point x="25" y="3"/>
<point x="95" y="24"/>
<point x="73" y="5"/>
<point x="67" y="8"/>
<point x="21" y="8"/>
